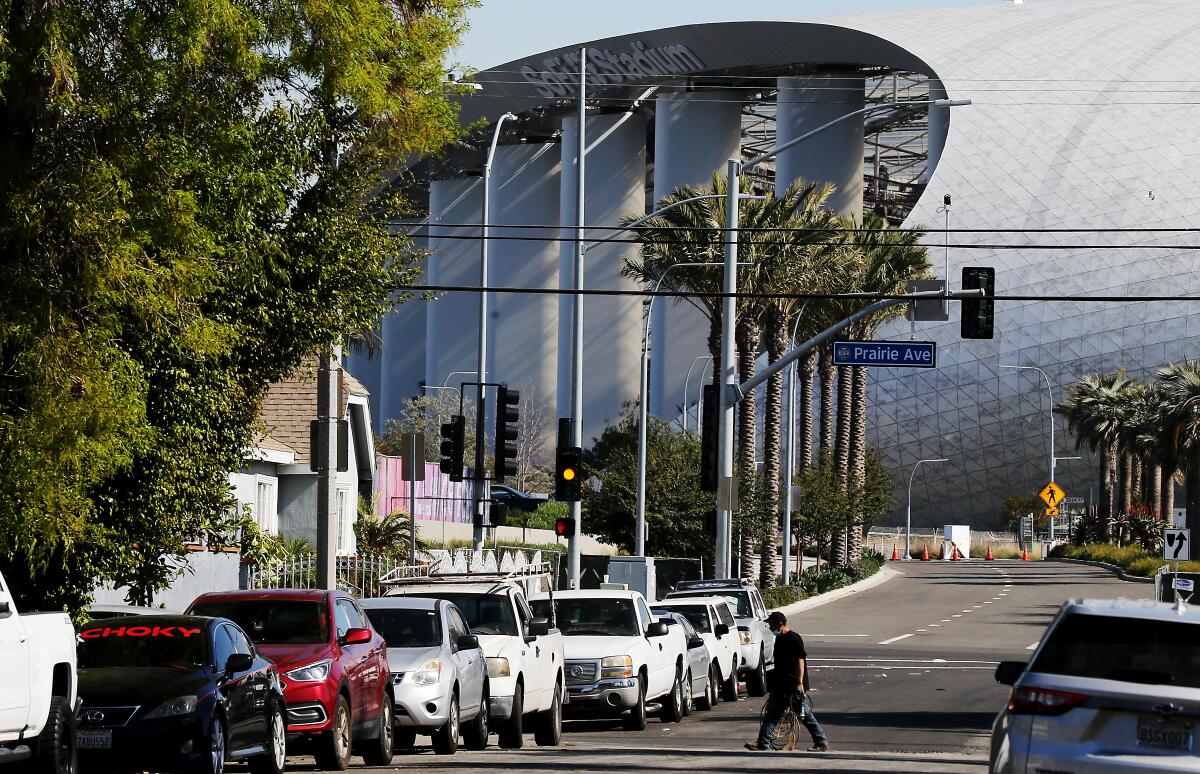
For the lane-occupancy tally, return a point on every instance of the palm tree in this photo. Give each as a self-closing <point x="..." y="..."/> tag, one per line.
<point x="1181" y="383"/>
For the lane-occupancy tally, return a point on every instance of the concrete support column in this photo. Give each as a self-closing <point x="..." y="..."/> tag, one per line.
<point x="695" y="133"/>
<point x="453" y="318"/>
<point x="615" y="188"/>
<point x="836" y="154"/>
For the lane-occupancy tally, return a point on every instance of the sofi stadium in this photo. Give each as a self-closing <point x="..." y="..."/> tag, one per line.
<point x="1082" y="127"/>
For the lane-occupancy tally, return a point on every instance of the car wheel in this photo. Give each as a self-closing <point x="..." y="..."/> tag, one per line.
<point x="333" y="746"/>
<point x="687" y="693"/>
<point x="512" y="733"/>
<point x="636" y="719"/>
<point x="404" y="739"/>
<point x="378" y="751"/>
<point x="548" y="732"/>
<point x="56" y="744"/>
<point x="756" y="681"/>
<point x="672" y="708"/>
<point x="274" y="759"/>
<point x="214" y="763"/>
<point x="729" y="687"/>
<point x="445" y="739"/>
<point x="709" y="700"/>
<point x="475" y="731"/>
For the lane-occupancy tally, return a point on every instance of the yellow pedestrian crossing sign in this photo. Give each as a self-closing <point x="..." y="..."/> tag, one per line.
<point x="1052" y="512"/>
<point x="1052" y="495"/>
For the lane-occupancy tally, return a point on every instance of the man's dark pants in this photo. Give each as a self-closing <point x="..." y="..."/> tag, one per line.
<point x="777" y="703"/>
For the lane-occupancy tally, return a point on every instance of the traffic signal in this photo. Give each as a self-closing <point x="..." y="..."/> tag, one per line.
<point x="564" y="527"/>
<point x="568" y="474"/>
<point x="507" y="414"/>
<point x="978" y="314"/>
<point x="709" y="430"/>
<point x="453" y="441"/>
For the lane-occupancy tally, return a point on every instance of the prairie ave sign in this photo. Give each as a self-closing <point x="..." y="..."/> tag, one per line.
<point x="896" y="354"/>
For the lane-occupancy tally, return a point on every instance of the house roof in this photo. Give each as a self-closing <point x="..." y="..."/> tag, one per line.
<point x="291" y="404"/>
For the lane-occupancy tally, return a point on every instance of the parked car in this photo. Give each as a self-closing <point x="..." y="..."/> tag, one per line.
<point x="171" y="693"/>
<point x="439" y="675"/>
<point x="525" y="654"/>
<point x="698" y="686"/>
<point x="515" y="499"/>
<point x="714" y="622"/>
<point x="333" y="667"/>
<point x="103" y="612"/>
<point x="619" y="658"/>
<point x="1114" y="686"/>
<point x="37" y="688"/>
<point x="758" y="645"/>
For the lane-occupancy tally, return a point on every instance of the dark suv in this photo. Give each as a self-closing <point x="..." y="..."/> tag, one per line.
<point x="332" y="663"/>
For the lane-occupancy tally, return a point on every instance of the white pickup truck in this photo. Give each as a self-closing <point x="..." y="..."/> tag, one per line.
<point x="525" y="655"/>
<point x="37" y="688"/>
<point x="619" y="656"/>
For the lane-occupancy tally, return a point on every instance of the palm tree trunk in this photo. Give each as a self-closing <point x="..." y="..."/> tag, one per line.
<point x="1126" y="485"/>
<point x="827" y="374"/>
<point x="1168" y="493"/>
<point x="808" y="371"/>
<point x="1108" y="492"/>
<point x="714" y="347"/>
<point x="748" y="335"/>
<point x="773" y="447"/>
<point x="1153" y="496"/>
<point x="1135" y="484"/>
<point x="841" y="456"/>
<point x="858" y="454"/>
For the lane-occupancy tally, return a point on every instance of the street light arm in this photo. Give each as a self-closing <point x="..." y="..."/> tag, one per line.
<point x="496" y="136"/>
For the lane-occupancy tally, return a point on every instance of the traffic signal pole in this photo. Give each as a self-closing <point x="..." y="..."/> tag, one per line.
<point x="577" y="318"/>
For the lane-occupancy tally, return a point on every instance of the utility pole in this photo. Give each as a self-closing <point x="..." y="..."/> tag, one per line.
<point x="325" y="459"/>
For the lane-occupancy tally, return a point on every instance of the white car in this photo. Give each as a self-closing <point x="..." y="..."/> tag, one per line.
<point x="525" y="655"/>
<point x="38" y="689"/>
<point x="1113" y="687"/>
<point x="715" y="624"/>
<point x="699" y="689"/>
<point x="619" y="657"/>
<point x="439" y="678"/>
<point x="757" y="642"/>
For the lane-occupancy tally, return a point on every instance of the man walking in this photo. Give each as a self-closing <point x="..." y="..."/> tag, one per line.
<point x="789" y="687"/>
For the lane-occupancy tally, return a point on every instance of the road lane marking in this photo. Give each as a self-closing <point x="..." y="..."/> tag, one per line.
<point x="957" y="615"/>
<point x="837" y="635"/>
<point x="933" y="624"/>
<point x="860" y="667"/>
<point x="1034" y="645"/>
<point x="896" y="639"/>
<point x="910" y="660"/>
<point x="995" y="597"/>
<point x="922" y="630"/>
<point x="945" y="620"/>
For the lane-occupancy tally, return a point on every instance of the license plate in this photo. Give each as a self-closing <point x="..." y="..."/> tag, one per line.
<point x="93" y="740"/>
<point x="1164" y="734"/>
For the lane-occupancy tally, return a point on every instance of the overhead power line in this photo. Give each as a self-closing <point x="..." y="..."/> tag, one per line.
<point x="1056" y="230"/>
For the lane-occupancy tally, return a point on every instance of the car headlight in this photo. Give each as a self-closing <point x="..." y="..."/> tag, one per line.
<point x="313" y="673"/>
<point x="180" y="705"/>
<point x="428" y="673"/>
<point x="616" y="666"/>
<point x="498" y="667"/>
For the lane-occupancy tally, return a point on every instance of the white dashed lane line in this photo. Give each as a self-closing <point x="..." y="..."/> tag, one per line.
<point x="897" y="639"/>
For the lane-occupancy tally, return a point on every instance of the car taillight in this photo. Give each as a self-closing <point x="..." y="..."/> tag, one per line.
<point x="1039" y="701"/>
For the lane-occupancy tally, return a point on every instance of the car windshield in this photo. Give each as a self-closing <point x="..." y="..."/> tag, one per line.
<point x="486" y="613"/>
<point x="741" y="599"/>
<point x="273" y="621"/>
<point x="1130" y="650"/>
<point x="182" y="646"/>
<point x="404" y="628"/>
<point x="697" y="616"/>
<point x="597" y="617"/>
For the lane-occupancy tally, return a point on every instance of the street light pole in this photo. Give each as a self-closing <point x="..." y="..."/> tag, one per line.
<point x="1050" y="392"/>
<point x="481" y="363"/>
<point x="729" y="391"/>
<point x="573" y="552"/>
<point x="908" y="510"/>
<point x="686" y="381"/>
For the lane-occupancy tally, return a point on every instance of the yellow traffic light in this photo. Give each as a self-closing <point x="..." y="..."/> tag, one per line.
<point x="568" y="474"/>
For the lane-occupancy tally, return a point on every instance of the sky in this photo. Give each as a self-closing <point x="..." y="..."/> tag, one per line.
<point x="503" y="30"/>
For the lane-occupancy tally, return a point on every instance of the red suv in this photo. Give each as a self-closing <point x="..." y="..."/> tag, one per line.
<point x="332" y="664"/>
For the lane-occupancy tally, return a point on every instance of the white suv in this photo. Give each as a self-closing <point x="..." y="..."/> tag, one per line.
<point x="1114" y="686"/>
<point x="619" y="656"/>
<point x="713" y="621"/>
<point x="757" y="643"/>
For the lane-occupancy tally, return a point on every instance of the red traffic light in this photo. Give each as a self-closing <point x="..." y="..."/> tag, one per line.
<point x="564" y="527"/>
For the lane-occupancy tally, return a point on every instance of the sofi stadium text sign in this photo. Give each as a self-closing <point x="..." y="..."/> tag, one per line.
<point x="894" y="354"/>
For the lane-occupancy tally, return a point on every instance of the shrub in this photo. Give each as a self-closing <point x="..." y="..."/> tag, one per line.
<point x="782" y="596"/>
<point x="1134" y="560"/>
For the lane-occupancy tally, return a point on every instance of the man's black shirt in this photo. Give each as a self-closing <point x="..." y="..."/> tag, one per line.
<point x="789" y="649"/>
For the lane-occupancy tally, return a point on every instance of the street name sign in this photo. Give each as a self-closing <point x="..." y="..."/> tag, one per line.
<point x="1052" y="494"/>
<point x="1176" y="545"/>
<point x="895" y="354"/>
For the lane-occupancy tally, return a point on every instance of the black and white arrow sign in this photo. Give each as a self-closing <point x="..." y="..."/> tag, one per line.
<point x="1175" y="545"/>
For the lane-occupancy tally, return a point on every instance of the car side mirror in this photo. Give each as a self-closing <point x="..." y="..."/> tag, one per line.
<point x="657" y="629"/>
<point x="238" y="662"/>
<point x="721" y="629"/>
<point x="468" y="642"/>
<point x="1008" y="672"/>
<point x="356" y="636"/>
<point x="695" y="642"/>
<point x="539" y="627"/>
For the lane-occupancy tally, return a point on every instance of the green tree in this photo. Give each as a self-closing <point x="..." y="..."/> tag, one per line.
<point x="183" y="217"/>
<point x="824" y="508"/>
<point x="1015" y="507"/>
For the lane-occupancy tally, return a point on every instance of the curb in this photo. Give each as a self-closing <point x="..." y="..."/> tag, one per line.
<point x="883" y="575"/>
<point x="1106" y="566"/>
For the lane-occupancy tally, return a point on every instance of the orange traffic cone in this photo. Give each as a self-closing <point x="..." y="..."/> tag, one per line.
<point x="895" y="553"/>
<point x="989" y="556"/>
<point x="954" y="555"/>
<point x="925" y="552"/>
<point x="1024" y="554"/>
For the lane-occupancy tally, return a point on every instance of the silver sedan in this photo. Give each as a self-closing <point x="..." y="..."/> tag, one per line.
<point x="438" y="672"/>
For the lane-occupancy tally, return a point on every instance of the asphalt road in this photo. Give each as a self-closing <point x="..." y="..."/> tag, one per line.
<point x="902" y="677"/>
